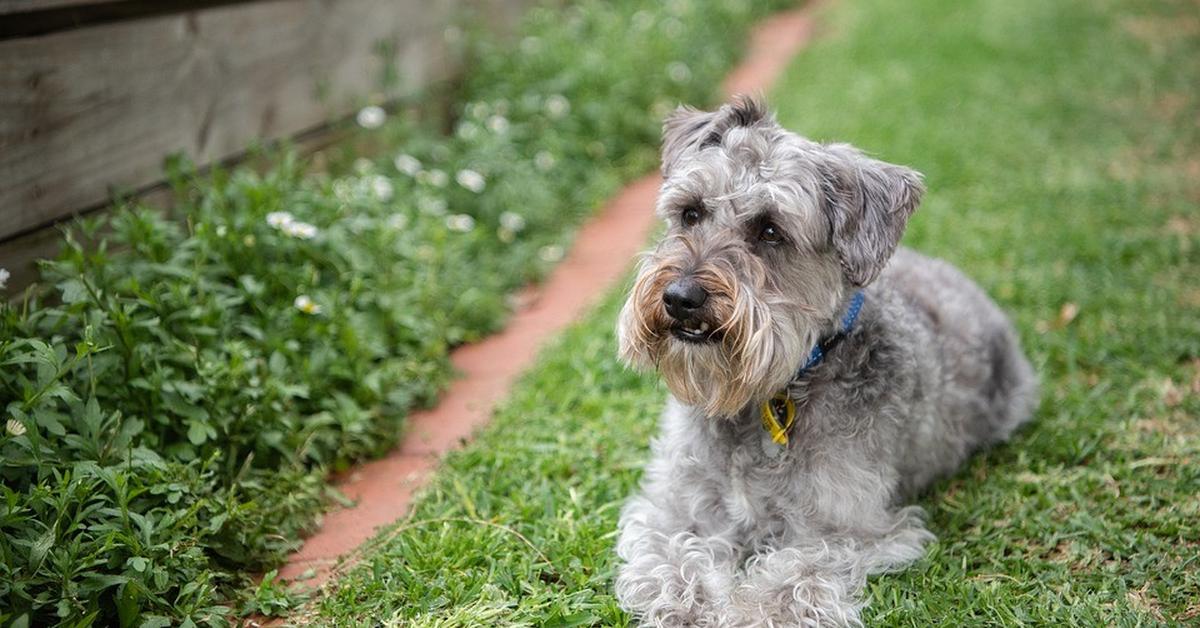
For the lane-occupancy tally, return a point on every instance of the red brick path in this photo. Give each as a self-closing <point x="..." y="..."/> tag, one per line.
<point x="601" y="255"/>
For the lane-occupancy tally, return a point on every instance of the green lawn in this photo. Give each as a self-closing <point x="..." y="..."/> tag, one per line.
<point x="1060" y="145"/>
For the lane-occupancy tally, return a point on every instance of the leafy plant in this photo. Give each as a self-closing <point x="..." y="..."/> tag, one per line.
<point x="177" y="393"/>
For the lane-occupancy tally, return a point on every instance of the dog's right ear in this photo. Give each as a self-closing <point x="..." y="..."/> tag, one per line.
<point x="683" y="130"/>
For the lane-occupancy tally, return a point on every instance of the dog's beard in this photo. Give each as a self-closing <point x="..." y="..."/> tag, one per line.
<point x="758" y="349"/>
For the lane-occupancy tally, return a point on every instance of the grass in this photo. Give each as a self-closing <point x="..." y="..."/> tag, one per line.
<point x="177" y="389"/>
<point x="1059" y="144"/>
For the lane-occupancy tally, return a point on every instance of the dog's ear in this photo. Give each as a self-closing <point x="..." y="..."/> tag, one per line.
<point x="687" y="128"/>
<point x="683" y="130"/>
<point x="868" y="203"/>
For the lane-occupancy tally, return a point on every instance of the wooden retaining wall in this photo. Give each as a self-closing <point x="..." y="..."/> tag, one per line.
<point x="94" y="94"/>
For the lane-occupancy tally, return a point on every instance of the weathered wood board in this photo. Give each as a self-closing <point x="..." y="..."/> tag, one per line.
<point x="25" y="6"/>
<point x="85" y="112"/>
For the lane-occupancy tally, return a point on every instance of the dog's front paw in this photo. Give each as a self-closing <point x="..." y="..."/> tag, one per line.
<point x="797" y="587"/>
<point x="672" y="578"/>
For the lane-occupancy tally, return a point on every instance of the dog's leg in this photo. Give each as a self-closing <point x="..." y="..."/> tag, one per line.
<point x="669" y="575"/>
<point x="817" y="581"/>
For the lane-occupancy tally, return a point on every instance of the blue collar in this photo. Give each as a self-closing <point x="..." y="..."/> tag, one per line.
<point x="825" y="346"/>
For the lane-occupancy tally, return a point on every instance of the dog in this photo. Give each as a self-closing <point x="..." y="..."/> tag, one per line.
<point x="819" y="375"/>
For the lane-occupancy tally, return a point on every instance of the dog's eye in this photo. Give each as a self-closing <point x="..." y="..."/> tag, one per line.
<point x="690" y="216"/>
<point x="770" y="234"/>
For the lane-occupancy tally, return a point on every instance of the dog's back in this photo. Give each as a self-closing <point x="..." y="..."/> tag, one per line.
<point x="986" y="386"/>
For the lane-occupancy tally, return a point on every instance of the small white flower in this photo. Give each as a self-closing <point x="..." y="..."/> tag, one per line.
<point x="4" y="275"/>
<point x="15" y="427"/>
<point x="498" y="124"/>
<point x="221" y="231"/>
<point x="301" y="230"/>
<point x="512" y="221"/>
<point x="557" y="106"/>
<point x="467" y="130"/>
<point x="305" y="304"/>
<point x="342" y="190"/>
<point x="382" y="188"/>
<point x="544" y="160"/>
<point x="432" y="206"/>
<point x="279" y="220"/>
<point x="477" y="110"/>
<point x="397" y="221"/>
<point x="460" y="222"/>
<point x="371" y="117"/>
<point x="359" y="224"/>
<point x="551" y="253"/>
<point x="362" y="165"/>
<point x="471" y="180"/>
<point x="679" y="72"/>
<point x="438" y="178"/>
<point x="407" y="164"/>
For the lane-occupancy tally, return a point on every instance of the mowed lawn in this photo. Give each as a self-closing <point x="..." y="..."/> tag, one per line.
<point x="1061" y="147"/>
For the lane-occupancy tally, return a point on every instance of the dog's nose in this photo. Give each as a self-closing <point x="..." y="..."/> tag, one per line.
<point x="683" y="297"/>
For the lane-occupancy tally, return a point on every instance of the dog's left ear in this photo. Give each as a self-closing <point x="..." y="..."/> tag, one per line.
<point x="688" y="129"/>
<point x="683" y="131"/>
<point x="868" y="203"/>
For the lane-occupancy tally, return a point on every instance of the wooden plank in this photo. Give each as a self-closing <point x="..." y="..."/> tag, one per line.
<point x="29" y="18"/>
<point x="87" y="111"/>
<point x="27" y="6"/>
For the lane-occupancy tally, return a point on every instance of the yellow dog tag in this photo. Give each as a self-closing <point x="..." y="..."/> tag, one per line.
<point x="778" y="414"/>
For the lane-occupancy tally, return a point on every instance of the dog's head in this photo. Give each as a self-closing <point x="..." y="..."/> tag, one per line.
<point x="768" y="234"/>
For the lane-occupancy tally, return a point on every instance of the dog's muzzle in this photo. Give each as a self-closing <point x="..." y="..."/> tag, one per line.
<point x="684" y="300"/>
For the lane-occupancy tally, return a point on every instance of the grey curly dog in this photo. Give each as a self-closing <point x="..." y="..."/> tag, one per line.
<point x="818" y="377"/>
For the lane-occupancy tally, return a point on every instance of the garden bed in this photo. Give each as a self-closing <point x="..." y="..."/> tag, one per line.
<point x="178" y="390"/>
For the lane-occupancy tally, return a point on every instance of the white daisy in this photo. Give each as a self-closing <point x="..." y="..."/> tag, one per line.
<point x="467" y="130"/>
<point x="432" y="206"/>
<point x="498" y="124"/>
<point x="512" y="221"/>
<point x="301" y="230"/>
<point x="15" y="427"/>
<point x="371" y="117"/>
<point x="438" y="178"/>
<point x="551" y="253"/>
<point x="407" y="164"/>
<point x="397" y="221"/>
<point x="557" y="106"/>
<point x="305" y="304"/>
<point x="460" y="222"/>
<point x="471" y="180"/>
<point x="4" y="275"/>
<point x="279" y="220"/>
<point x="381" y="186"/>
